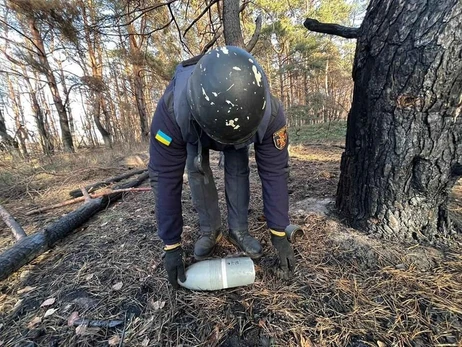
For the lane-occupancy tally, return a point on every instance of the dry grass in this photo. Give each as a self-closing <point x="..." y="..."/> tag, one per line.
<point x="347" y="290"/>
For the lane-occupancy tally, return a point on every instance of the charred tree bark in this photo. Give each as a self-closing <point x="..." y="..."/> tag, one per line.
<point x="404" y="136"/>
<point x="33" y="245"/>
<point x="28" y="248"/>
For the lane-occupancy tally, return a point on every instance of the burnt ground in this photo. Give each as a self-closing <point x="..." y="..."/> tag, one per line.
<point x="348" y="289"/>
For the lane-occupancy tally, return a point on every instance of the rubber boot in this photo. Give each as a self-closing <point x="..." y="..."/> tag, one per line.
<point x="246" y="243"/>
<point x="205" y="245"/>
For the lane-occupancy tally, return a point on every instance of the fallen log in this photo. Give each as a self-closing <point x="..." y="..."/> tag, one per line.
<point x="84" y="198"/>
<point x="16" y="229"/>
<point x="91" y="188"/>
<point x="35" y="244"/>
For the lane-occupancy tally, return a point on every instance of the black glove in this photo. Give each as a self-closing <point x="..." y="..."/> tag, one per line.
<point x="285" y="252"/>
<point x="173" y="263"/>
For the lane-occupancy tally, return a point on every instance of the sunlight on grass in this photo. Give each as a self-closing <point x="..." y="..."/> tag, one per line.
<point x="326" y="154"/>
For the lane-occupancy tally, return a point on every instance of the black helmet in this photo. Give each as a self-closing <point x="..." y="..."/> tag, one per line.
<point x="227" y="93"/>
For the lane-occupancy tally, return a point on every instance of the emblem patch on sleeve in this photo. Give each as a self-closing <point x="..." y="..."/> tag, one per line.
<point x="163" y="138"/>
<point x="280" y="138"/>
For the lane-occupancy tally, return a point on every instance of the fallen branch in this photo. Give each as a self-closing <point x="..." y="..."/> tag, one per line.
<point x="33" y="245"/>
<point x="331" y="29"/>
<point x="91" y="188"/>
<point x="18" y="232"/>
<point x="98" y="323"/>
<point x="82" y="198"/>
<point x="85" y="193"/>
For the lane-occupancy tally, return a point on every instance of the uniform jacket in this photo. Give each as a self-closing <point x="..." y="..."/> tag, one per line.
<point x="173" y="127"/>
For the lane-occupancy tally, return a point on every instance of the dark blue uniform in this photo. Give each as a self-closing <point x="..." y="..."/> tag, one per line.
<point x="175" y="139"/>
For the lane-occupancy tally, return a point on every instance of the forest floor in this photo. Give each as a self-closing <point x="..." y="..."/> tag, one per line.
<point x="348" y="289"/>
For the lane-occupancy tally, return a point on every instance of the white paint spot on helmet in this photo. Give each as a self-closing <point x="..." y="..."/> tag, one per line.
<point x="218" y="55"/>
<point x="229" y="102"/>
<point x="232" y="123"/>
<point x="257" y="75"/>
<point x="212" y="103"/>
<point x="248" y="118"/>
<point x="205" y="95"/>
<point x="232" y="85"/>
<point x="225" y="50"/>
<point x="264" y="104"/>
<point x="251" y="60"/>
<point x="237" y="68"/>
<point x="215" y="94"/>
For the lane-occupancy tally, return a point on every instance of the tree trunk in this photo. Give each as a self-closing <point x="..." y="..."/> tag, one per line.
<point x="404" y="141"/>
<point x="16" y="106"/>
<point x="98" y="84"/>
<point x="10" y="142"/>
<point x="66" y="135"/>
<point x="137" y="60"/>
<point x="232" y="24"/>
<point x="44" y="137"/>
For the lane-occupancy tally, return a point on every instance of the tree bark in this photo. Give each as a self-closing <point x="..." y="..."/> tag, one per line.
<point x="404" y="136"/>
<point x="66" y="135"/>
<point x="45" y="142"/>
<point x="11" y="144"/>
<point x="137" y="61"/>
<point x="33" y="245"/>
<point x="232" y="24"/>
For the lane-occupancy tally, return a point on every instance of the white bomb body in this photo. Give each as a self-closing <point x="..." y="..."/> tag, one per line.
<point x="215" y="274"/>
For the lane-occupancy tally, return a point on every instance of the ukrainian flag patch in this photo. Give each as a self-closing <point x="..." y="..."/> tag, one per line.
<point x="163" y="138"/>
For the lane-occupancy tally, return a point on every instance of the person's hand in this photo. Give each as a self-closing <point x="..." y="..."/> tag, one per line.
<point x="174" y="265"/>
<point x="285" y="252"/>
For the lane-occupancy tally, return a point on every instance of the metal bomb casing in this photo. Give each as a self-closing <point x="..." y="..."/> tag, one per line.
<point x="215" y="274"/>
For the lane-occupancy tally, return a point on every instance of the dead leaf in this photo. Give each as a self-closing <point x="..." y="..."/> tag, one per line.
<point x="72" y="318"/>
<point x="26" y="289"/>
<point x="381" y="344"/>
<point x="157" y="305"/>
<point x="145" y="342"/>
<point x="34" y="322"/>
<point x="117" y="286"/>
<point x="49" y="312"/>
<point x="89" y="277"/>
<point x="81" y="329"/>
<point x="114" y="340"/>
<point x="17" y="304"/>
<point x="48" y="302"/>
<point x="84" y="330"/>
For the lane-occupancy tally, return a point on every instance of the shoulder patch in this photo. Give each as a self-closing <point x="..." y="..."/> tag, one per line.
<point x="280" y="138"/>
<point x="163" y="138"/>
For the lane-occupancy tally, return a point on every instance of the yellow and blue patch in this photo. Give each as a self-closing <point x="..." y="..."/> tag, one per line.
<point x="163" y="138"/>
